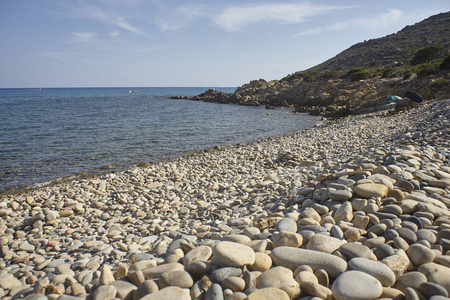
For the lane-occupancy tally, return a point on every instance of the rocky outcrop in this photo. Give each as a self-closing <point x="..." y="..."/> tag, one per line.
<point x="328" y="96"/>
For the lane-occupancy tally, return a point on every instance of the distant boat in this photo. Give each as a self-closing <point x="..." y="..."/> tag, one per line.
<point x="132" y="91"/>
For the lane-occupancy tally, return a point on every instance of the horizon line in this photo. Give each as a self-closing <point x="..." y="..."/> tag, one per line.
<point x="118" y="87"/>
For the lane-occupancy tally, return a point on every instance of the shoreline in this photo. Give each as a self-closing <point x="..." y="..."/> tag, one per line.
<point x="91" y="237"/>
<point x="25" y="171"/>
<point x="94" y="173"/>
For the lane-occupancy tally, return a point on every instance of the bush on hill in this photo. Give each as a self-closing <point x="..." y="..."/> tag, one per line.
<point x="425" y="70"/>
<point x="427" y="54"/>
<point x="360" y="73"/>
<point x="445" y="64"/>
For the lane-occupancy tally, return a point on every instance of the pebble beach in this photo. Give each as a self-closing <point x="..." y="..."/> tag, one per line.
<point x="353" y="208"/>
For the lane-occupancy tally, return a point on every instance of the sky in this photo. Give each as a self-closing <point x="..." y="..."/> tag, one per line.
<point x="205" y="43"/>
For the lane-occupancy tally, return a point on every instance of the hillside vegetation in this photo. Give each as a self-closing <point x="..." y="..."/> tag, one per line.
<point x="393" y="50"/>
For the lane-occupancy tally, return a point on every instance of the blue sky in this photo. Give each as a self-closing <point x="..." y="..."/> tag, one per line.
<point x="88" y="43"/>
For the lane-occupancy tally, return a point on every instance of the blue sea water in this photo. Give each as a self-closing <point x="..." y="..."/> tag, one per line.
<point x="46" y="134"/>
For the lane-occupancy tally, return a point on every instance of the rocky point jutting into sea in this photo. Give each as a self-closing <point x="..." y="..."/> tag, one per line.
<point x="358" y="79"/>
<point x="354" y="208"/>
<point x="331" y="97"/>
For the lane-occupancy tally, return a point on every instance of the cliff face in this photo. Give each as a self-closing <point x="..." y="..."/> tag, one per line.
<point x="333" y="95"/>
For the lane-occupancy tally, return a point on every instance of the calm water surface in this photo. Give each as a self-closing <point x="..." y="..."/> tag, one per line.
<point x="46" y="134"/>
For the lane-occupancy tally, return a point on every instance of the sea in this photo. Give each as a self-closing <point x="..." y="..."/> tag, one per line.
<point x="50" y="133"/>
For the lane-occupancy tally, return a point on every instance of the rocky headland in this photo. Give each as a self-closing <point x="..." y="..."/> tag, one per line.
<point x="330" y="97"/>
<point x="354" y="208"/>
<point x="358" y="79"/>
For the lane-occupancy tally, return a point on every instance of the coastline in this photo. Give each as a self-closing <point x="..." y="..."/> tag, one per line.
<point x="169" y="208"/>
<point x="114" y="168"/>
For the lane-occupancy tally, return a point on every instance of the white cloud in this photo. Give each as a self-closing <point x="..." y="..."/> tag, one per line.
<point x="234" y="18"/>
<point x="372" y="23"/>
<point x="170" y="18"/>
<point x="106" y="15"/>
<point x="122" y="23"/>
<point x="82" y="37"/>
<point x="114" y="33"/>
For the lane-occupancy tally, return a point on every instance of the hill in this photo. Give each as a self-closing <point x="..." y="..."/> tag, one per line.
<point x="415" y="58"/>
<point x="394" y="49"/>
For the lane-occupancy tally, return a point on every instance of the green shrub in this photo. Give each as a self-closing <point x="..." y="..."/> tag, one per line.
<point x="426" y="69"/>
<point x="427" y="54"/>
<point x="389" y="73"/>
<point x="445" y="64"/>
<point x="309" y="77"/>
<point x="330" y="74"/>
<point x="360" y="73"/>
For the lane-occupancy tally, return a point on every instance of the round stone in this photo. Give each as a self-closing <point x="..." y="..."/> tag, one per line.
<point x="425" y="234"/>
<point x="336" y="232"/>
<point x="262" y="263"/>
<point x="233" y="254"/>
<point x="145" y="288"/>
<point x="221" y="274"/>
<point x="344" y="212"/>
<point x="437" y="274"/>
<point x="287" y="224"/>
<point x="324" y="243"/>
<point x="200" y="253"/>
<point x="356" y="285"/>
<point x="269" y="294"/>
<point x="383" y="250"/>
<point x="292" y="258"/>
<point x="429" y="289"/>
<point x="285" y="238"/>
<point x="420" y="254"/>
<point x="171" y="292"/>
<point x="199" y="268"/>
<point x="352" y="234"/>
<point x="279" y="277"/>
<point x="340" y="195"/>
<point x="411" y="280"/>
<point x="214" y="293"/>
<point x="374" y="268"/>
<point x="397" y="194"/>
<point x="236" y="284"/>
<point x="180" y="279"/>
<point x="408" y="235"/>
<point x="351" y="250"/>
<point x="369" y="190"/>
